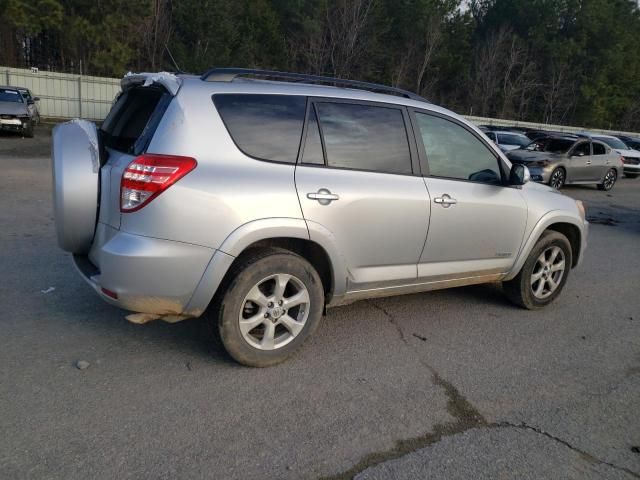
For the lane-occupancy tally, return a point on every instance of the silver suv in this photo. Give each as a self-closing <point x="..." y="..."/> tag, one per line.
<point x="265" y="197"/>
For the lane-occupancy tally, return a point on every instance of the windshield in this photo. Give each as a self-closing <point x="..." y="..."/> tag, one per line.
<point x="7" y="95"/>
<point x="551" y="145"/>
<point x="612" y="142"/>
<point x="513" y="139"/>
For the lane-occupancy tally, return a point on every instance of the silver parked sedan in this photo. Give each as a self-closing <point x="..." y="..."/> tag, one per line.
<point x="570" y="159"/>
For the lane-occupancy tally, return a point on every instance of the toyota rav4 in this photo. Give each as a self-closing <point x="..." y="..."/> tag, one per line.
<point x="264" y="197"/>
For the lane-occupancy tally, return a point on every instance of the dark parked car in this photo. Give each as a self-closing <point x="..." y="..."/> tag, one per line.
<point x="18" y="111"/>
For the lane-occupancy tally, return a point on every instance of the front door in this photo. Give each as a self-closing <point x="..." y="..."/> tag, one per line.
<point x="580" y="162"/>
<point x="477" y="222"/>
<point x="355" y="178"/>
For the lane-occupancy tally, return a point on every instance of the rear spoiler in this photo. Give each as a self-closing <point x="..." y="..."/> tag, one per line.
<point x="168" y="80"/>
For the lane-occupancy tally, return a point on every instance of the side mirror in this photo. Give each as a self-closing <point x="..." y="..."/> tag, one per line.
<point x="36" y="99"/>
<point x="579" y="154"/>
<point x="519" y="174"/>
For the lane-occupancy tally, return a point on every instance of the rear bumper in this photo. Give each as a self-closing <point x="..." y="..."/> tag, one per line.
<point x="143" y="274"/>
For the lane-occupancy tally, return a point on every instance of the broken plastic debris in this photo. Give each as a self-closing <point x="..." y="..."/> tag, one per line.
<point x="140" y="318"/>
<point x="48" y="290"/>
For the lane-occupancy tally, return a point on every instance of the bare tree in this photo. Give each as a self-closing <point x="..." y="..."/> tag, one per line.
<point x="346" y="22"/>
<point x="156" y="32"/>
<point x="487" y="76"/>
<point x="432" y="40"/>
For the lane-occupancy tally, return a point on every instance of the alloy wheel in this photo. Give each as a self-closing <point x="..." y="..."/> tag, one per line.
<point x="547" y="272"/>
<point x="609" y="179"/>
<point x="557" y="179"/>
<point x="274" y="311"/>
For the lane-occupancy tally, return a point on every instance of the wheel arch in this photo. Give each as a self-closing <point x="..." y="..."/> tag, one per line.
<point x="562" y="222"/>
<point x="318" y="248"/>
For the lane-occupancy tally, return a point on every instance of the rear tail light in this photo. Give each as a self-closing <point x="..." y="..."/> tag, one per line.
<point x="148" y="176"/>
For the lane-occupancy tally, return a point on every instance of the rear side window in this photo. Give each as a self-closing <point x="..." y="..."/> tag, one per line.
<point x="364" y="137"/>
<point x="134" y="118"/>
<point x="266" y="127"/>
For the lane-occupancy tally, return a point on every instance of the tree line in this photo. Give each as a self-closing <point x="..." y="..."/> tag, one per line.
<point x="572" y="62"/>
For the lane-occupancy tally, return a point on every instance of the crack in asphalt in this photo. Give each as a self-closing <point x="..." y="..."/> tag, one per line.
<point x="467" y="418"/>
<point x="588" y="456"/>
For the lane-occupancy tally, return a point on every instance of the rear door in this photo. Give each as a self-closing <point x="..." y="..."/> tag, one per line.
<point x="357" y="177"/>
<point x="477" y="222"/>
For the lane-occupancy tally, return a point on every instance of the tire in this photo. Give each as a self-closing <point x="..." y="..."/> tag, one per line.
<point x="29" y="131"/>
<point x="631" y="175"/>
<point x="273" y="335"/>
<point x="520" y="290"/>
<point x="558" y="178"/>
<point x="608" y="181"/>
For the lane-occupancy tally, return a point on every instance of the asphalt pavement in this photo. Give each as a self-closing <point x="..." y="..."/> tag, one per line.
<point x="450" y="384"/>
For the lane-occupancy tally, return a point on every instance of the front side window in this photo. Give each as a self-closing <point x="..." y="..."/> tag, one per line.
<point x="599" y="149"/>
<point x="364" y="137"/>
<point x="267" y="127"/>
<point x="454" y="152"/>
<point x="581" y="150"/>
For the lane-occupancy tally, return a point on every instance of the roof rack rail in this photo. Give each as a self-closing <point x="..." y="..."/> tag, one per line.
<point x="229" y="74"/>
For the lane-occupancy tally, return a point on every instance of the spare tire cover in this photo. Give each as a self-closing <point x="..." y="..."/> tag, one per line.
<point x="76" y="165"/>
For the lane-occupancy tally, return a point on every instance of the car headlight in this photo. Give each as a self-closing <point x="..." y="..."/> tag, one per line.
<point x="581" y="209"/>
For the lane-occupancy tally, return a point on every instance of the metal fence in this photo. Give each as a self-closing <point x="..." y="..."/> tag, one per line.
<point x="65" y="95"/>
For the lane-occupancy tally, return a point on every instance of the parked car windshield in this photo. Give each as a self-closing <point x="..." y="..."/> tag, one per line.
<point x="613" y="142"/>
<point x="7" y="95"/>
<point x="551" y="145"/>
<point x="514" y="139"/>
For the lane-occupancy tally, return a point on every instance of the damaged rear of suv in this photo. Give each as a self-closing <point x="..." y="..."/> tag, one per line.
<point x="264" y="202"/>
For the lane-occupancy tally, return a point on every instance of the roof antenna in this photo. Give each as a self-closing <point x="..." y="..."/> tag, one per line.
<point x="178" y="70"/>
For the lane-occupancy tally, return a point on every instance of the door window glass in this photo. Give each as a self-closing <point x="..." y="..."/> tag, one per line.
<point x="365" y="137"/>
<point x="599" y="149"/>
<point x="581" y="150"/>
<point x="454" y="152"/>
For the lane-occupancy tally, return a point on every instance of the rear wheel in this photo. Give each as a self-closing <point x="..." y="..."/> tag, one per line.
<point x="557" y="179"/>
<point x="543" y="275"/>
<point x="271" y="305"/>
<point x="609" y="180"/>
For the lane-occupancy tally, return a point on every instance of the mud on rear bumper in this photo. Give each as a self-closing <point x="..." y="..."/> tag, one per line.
<point x="145" y="275"/>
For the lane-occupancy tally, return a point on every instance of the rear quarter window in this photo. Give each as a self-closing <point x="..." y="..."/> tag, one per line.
<point x="266" y="127"/>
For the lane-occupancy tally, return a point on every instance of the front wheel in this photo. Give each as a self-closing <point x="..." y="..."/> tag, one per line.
<point x="543" y="275"/>
<point x="28" y="132"/>
<point x="609" y="180"/>
<point x="273" y="302"/>
<point x="557" y="179"/>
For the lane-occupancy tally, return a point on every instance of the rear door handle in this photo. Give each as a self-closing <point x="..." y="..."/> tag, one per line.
<point x="588" y="162"/>
<point x="323" y="196"/>
<point x="445" y="200"/>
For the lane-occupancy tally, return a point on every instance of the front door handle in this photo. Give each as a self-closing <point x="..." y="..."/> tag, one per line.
<point x="323" y="196"/>
<point x="445" y="200"/>
<point x="588" y="162"/>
